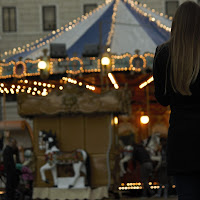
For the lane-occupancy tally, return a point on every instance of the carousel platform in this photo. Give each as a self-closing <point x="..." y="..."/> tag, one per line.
<point x="70" y="194"/>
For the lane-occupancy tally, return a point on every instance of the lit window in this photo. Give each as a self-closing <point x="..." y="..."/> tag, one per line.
<point x="171" y="7"/>
<point x="49" y="18"/>
<point x="9" y="19"/>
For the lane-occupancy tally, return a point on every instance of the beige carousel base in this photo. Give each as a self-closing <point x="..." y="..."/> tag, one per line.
<point x="63" y="194"/>
<point x="65" y="182"/>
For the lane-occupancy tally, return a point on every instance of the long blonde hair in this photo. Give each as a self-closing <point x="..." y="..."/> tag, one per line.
<point x="184" y="47"/>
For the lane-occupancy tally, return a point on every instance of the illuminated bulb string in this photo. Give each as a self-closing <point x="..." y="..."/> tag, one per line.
<point x="44" y="90"/>
<point x="73" y="81"/>
<point x="135" y="4"/>
<point x="112" y="79"/>
<point x="139" y="186"/>
<point x="112" y="29"/>
<point x="145" y="83"/>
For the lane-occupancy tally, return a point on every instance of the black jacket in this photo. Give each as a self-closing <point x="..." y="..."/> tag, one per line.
<point x="183" y="152"/>
<point x="140" y="154"/>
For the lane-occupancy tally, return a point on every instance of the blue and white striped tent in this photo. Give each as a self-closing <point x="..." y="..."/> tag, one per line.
<point x="126" y="26"/>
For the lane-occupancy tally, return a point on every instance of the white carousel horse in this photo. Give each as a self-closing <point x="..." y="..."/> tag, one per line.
<point x="79" y="165"/>
<point x="126" y="155"/>
<point x="77" y="158"/>
<point x="152" y="145"/>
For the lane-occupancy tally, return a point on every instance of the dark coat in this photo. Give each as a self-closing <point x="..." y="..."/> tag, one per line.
<point x="183" y="152"/>
<point x="140" y="154"/>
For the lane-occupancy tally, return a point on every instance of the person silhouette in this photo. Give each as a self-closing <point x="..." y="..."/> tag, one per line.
<point x="176" y="75"/>
<point x="141" y="155"/>
<point x="10" y="168"/>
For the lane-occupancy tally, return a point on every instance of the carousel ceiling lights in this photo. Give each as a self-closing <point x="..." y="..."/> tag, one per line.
<point x="115" y="120"/>
<point x="144" y="119"/>
<point x="145" y="83"/>
<point x="113" y="81"/>
<point x="139" y="186"/>
<point x="38" y="87"/>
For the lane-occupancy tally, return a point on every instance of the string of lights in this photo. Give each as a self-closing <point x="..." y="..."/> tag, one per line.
<point x="38" y="87"/>
<point x="139" y="186"/>
<point x="112" y="79"/>
<point x="145" y="83"/>
<point x="135" y="5"/>
<point x="112" y="29"/>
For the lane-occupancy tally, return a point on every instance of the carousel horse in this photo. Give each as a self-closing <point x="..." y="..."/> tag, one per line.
<point x="78" y="158"/>
<point x="79" y="165"/>
<point x="50" y="153"/>
<point x="152" y="145"/>
<point x="126" y="155"/>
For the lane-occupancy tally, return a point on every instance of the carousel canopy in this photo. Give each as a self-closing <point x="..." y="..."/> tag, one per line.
<point x="122" y="25"/>
<point x="130" y="30"/>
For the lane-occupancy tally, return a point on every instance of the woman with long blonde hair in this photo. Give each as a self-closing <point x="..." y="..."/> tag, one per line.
<point x="176" y="74"/>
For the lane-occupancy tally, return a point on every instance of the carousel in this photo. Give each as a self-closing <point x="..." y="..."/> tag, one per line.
<point x="88" y="89"/>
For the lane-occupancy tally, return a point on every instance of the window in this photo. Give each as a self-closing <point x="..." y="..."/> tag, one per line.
<point x="49" y="18"/>
<point x="9" y="19"/>
<point x="171" y="7"/>
<point x="89" y="7"/>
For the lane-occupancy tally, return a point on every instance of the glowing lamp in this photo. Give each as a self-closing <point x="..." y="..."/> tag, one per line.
<point x="42" y="65"/>
<point x="108" y="49"/>
<point x="105" y="60"/>
<point x="144" y="119"/>
<point x="115" y="120"/>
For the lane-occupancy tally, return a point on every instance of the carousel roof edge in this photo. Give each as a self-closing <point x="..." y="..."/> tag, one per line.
<point x="75" y="65"/>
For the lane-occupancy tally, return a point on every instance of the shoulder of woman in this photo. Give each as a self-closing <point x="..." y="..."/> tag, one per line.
<point x="162" y="49"/>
